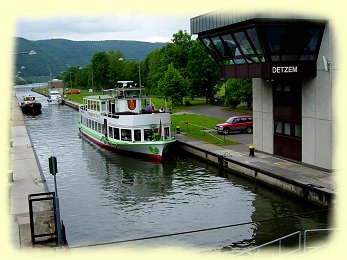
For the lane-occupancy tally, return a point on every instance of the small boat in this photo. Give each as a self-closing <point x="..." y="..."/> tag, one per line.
<point x="122" y="120"/>
<point x="30" y="106"/>
<point x="54" y="97"/>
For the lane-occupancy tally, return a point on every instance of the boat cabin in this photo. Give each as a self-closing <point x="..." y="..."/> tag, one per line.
<point x="29" y="98"/>
<point x="123" y="114"/>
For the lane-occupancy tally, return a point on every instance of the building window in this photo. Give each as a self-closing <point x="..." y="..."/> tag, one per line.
<point x="245" y="46"/>
<point x="287" y="128"/>
<point x="219" y="46"/>
<point x="230" y="43"/>
<point x="278" y="127"/>
<point x="297" y="130"/>
<point x="274" y="36"/>
<point x="209" y="46"/>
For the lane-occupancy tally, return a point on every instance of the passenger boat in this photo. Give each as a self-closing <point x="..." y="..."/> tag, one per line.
<point x="54" y="97"/>
<point x="30" y="106"/>
<point x="122" y="120"/>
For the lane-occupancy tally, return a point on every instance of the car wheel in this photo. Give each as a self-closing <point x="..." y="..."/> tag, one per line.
<point x="225" y="131"/>
<point x="249" y="130"/>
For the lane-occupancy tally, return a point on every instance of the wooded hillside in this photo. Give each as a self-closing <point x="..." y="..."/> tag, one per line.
<point x="57" y="55"/>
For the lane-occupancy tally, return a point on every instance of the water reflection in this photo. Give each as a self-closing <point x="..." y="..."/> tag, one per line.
<point x="129" y="180"/>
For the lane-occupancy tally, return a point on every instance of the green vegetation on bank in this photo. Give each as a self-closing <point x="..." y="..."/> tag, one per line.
<point x="199" y="127"/>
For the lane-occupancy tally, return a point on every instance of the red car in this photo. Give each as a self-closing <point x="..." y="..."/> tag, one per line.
<point x="73" y="91"/>
<point x="236" y="123"/>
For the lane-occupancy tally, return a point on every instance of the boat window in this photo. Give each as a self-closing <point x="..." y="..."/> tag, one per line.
<point x="116" y="133"/>
<point x="148" y="134"/>
<point x="110" y="132"/>
<point x="137" y="134"/>
<point x="126" y="134"/>
<point x="103" y="106"/>
<point x="167" y="132"/>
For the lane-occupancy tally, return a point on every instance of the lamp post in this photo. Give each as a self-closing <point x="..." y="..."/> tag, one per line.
<point x="121" y="59"/>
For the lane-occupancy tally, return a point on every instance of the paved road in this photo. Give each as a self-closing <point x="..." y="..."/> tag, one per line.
<point x="219" y="112"/>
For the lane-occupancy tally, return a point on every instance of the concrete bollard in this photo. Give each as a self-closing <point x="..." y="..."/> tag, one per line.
<point x="178" y="129"/>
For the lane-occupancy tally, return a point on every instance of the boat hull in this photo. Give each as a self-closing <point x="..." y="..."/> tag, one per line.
<point x="55" y="101"/>
<point x="155" y="150"/>
<point x="31" y="109"/>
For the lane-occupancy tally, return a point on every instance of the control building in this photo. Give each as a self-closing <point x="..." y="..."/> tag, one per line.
<point x="288" y="59"/>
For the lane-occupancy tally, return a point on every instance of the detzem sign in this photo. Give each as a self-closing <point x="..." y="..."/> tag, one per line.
<point x="284" y="69"/>
<point x="271" y="70"/>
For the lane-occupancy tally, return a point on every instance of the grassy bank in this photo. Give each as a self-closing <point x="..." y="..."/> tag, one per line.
<point x="199" y="127"/>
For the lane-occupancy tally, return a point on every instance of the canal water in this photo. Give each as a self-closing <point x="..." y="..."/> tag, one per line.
<point x="106" y="197"/>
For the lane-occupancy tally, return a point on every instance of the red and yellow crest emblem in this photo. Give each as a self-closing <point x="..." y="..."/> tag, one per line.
<point x="131" y="104"/>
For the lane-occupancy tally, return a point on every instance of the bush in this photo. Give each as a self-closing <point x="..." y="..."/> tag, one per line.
<point x="187" y="102"/>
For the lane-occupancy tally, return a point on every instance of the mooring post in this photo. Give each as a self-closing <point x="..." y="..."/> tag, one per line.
<point x="53" y="170"/>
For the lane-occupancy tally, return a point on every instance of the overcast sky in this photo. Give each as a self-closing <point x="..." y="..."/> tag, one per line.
<point x="139" y="27"/>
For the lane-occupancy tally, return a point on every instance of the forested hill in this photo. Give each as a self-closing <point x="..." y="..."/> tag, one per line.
<point x="56" y="55"/>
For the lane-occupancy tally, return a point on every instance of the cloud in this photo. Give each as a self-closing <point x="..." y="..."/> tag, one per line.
<point x="141" y="27"/>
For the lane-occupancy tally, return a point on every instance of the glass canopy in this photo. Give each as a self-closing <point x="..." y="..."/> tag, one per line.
<point x="254" y="45"/>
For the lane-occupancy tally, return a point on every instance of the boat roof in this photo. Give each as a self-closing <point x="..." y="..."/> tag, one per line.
<point x="123" y="89"/>
<point x="99" y="97"/>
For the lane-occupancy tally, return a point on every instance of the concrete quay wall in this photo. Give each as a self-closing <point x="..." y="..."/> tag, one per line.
<point x="295" y="187"/>
<point x="27" y="177"/>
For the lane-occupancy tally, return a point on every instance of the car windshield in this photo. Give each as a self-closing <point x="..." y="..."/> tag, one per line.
<point x="230" y="120"/>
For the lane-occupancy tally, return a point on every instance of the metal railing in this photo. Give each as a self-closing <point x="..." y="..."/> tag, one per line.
<point x="257" y="249"/>
<point x="315" y="231"/>
<point x="280" y="240"/>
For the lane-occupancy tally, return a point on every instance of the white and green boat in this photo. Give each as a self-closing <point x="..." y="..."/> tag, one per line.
<point x="122" y="120"/>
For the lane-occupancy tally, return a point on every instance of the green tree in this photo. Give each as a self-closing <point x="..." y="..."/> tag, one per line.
<point x="173" y="86"/>
<point x="70" y="77"/>
<point x="117" y="69"/>
<point x="202" y="71"/>
<point x="176" y="52"/>
<point x="238" y="90"/>
<point x="100" y="64"/>
<point x="153" y="71"/>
